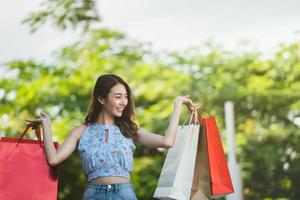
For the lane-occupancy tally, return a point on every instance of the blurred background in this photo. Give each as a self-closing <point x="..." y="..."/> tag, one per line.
<point x="247" y="52"/>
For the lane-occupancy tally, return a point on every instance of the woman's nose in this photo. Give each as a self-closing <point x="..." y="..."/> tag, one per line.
<point x="122" y="101"/>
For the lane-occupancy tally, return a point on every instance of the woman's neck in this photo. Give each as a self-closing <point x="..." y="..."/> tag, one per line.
<point x="105" y="118"/>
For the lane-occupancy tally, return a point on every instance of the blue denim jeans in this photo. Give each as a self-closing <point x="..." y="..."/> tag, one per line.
<point x="117" y="191"/>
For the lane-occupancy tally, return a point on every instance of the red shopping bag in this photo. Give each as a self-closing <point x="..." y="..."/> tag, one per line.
<point x="211" y="174"/>
<point x="220" y="180"/>
<point x="24" y="171"/>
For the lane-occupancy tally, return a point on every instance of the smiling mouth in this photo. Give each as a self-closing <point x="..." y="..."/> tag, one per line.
<point x="120" y="109"/>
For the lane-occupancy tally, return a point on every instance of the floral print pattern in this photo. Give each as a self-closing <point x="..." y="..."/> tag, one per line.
<point x="104" y="151"/>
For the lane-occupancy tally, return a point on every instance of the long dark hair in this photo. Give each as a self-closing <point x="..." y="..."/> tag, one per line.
<point x="102" y="87"/>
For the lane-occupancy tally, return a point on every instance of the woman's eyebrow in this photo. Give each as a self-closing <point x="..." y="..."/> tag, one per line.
<point x="117" y="93"/>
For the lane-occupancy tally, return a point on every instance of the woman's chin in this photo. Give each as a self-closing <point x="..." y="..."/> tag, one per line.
<point x="118" y="114"/>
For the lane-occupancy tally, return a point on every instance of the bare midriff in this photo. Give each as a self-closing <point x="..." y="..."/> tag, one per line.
<point x="109" y="180"/>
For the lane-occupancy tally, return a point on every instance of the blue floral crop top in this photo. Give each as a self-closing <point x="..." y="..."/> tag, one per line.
<point x="104" y="151"/>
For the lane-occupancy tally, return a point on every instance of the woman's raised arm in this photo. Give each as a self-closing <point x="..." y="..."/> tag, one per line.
<point x="56" y="156"/>
<point x="158" y="141"/>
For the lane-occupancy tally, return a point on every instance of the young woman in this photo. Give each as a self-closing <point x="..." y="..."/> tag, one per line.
<point x="106" y="139"/>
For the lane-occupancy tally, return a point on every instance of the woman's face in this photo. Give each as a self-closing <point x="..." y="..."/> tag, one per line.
<point x="116" y="100"/>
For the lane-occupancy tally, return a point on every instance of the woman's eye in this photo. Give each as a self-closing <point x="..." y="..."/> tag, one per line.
<point x="119" y="97"/>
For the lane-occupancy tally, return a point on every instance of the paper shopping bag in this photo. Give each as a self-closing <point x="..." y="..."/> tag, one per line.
<point x="24" y="171"/>
<point x="211" y="177"/>
<point x="175" y="181"/>
<point x="201" y="181"/>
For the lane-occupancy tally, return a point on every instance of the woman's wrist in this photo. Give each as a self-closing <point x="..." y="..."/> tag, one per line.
<point x="46" y="124"/>
<point x="178" y="100"/>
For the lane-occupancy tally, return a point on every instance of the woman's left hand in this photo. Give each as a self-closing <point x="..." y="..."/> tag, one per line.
<point x="188" y="102"/>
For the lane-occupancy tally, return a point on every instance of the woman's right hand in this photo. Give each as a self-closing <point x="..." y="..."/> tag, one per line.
<point x="44" y="119"/>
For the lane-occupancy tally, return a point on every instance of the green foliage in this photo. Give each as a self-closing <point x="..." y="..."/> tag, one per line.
<point x="266" y="95"/>
<point x="146" y="174"/>
<point x="71" y="179"/>
<point x="264" y="91"/>
<point x="64" y="14"/>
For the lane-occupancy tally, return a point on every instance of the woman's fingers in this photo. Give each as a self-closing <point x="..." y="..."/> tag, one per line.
<point x="193" y="108"/>
<point x="28" y="120"/>
<point x="196" y="106"/>
<point x="189" y="103"/>
<point x="39" y="119"/>
<point x="44" y="115"/>
<point x="36" y="122"/>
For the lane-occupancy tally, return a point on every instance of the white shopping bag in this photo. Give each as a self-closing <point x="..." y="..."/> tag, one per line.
<point x="175" y="181"/>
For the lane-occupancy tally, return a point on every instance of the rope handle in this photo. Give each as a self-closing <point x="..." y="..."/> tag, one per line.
<point x="35" y="126"/>
<point x="203" y="115"/>
<point x="198" y="118"/>
<point x="194" y="115"/>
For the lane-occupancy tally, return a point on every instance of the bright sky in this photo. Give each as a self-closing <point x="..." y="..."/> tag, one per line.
<point x="167" y="24"/>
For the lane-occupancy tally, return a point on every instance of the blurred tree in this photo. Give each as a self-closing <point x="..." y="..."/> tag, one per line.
<point x="64" y="91"/>
<point x="264" y="90"/>
<point x="64" y="14"/>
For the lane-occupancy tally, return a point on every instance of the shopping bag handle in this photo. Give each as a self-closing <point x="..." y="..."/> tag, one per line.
<point x="203" y="115"/>
<point x="35" y="126"/>
<point x="194" y="116"/>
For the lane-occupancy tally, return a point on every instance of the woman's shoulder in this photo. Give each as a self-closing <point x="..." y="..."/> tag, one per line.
<point x="78" y="130"/>
<point x="80" y="127"/>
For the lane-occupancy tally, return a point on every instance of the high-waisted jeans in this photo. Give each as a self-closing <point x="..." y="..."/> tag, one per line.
<point x="117" y="191"/>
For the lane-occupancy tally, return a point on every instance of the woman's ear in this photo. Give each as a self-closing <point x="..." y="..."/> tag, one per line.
<point x="101" y="100"/>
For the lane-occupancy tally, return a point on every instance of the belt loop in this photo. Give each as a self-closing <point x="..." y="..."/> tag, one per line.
<point x="116" y="188"/>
